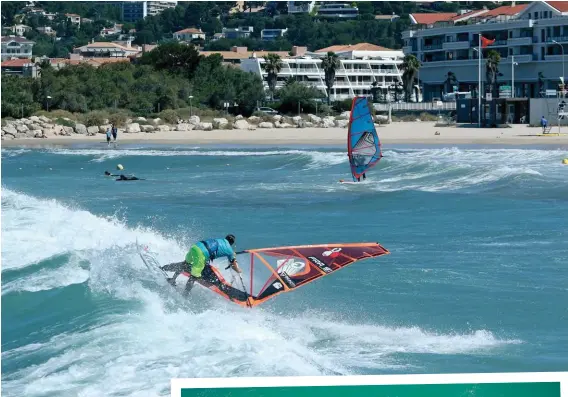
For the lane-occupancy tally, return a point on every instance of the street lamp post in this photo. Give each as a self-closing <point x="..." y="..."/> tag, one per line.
<point x="190" y="107"/>
<point x="562" y="48"/>
<point x="47" y="102"/>
<point x="513" y="64"/>
<point x="479" y="90"/>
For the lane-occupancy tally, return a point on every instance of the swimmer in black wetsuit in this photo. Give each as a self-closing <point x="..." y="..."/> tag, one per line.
<point x="123" y="177"/>
<point x="128" y="178"/>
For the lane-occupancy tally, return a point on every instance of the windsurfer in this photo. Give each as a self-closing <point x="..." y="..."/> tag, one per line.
<point x="198" y="264"/>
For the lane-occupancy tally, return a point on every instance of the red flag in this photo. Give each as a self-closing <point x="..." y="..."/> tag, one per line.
<point x="485" y="42"/>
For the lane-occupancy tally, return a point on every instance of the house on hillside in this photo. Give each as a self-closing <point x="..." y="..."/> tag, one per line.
<point x="189" y="34"/>
<point x="16" y="47"/>
<point x="18" y="30"/>
<point x="106" y="50"/>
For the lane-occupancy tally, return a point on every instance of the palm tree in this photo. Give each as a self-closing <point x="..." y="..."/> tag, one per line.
<point x="410" y="66"/>
<point x="330" y="63"/>
<point x="272" y="66"/>
<point x="492" y="68"/>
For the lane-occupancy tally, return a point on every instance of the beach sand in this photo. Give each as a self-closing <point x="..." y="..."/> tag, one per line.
<point x="395" y="133"/>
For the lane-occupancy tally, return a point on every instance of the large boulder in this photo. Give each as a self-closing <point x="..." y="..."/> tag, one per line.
<point x="276" y="118"/>
<point x="241" y="124"/>
<point x="254" y="119"/>
<point x="308" y="124"/>
<point x="342" y="123"/>
<point x="266" y="124"/>
<point x="140" y="118"/>
<point x="314" y="119"/>
<point x="22" y="128"/>
<point x="9" y="129"/>
<point x="80" y="129"/>
<point x="381" y="119"/>
<point x="92" y="131"/>
<point x="147" y="128"/>
<point x="328" y="122"/>
<point x="35" y="119"/>
<point x="162" y="128"/>
<point x="184" y="127"/>
<point x="344" y="116"/>
<point x="156" y="120"/>
<point x="239" y="117"/>
<point x="39" y="134"/>
<point x="195" y="120"/>
<point x="220" y="123"/>
<point x="296" y="120"/>
<point x="103" y="128"/>
<point x="204" y="127"/>
<point x="44" y="119"/>
<point x="67" y="131"/>
<point x="133" y="128"/>
<point x="283" y="125"/>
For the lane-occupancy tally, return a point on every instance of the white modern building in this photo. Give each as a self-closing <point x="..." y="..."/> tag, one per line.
<point x="106" y="50"/>
<point x="16" y="47"/>
<point x="531" y="39"/>
<point x="133" y="11"/>
<point x="242" y="32"/>
<point x="337" y="10"/>
<point x="300" y="7"/>
<point x="361" y="65"/>
<point x="272" y="34"/>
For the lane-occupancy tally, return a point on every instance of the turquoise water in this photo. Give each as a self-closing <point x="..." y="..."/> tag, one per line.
<point x="477" y="279"/>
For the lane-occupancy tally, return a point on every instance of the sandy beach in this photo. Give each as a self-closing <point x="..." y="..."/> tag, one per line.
<point x="396" y="133"/>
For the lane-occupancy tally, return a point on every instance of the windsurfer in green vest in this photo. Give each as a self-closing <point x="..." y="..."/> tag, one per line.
<point x="198" y="264"/>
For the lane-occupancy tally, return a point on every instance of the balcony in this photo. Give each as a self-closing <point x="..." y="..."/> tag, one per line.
<point x="432" y="47"/>
<point x="525" y="58"/>
<point x="520" y="41"/>
<point x="456" y="45"/>
<point x="554" y="58"/>
<point x="407" y="50"/>
<point x="560" y="39"/>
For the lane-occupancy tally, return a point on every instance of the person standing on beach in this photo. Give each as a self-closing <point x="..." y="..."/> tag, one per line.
<point x="108" y="134"/>
<point x="114" y="133"/>
<point x="543" y="123"/>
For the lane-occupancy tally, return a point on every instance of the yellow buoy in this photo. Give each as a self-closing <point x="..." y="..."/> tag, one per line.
<point x="565" y="161"/>
<point x="119" y="167"/>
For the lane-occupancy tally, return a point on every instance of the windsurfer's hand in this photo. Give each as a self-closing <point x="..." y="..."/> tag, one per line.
<point x="236" y="267"/>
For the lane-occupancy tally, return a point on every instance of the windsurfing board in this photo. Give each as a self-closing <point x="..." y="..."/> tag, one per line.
<point x="149" y="260"/>
<point x="551" y="134"/>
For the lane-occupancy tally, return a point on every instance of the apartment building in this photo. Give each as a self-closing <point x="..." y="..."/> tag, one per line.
<point x="16" y="47"/>
<point x="18" y="30"/>
<point x="106" y="50"/>
<point x="300" y="7"/>
<point x="361" y="65"/>
<point x="133" y="11"/>
<point x="242" y="32"/>
<point x="337" y="10"/>
<point x="530" y="39"/>
<point x="272" y="34"/>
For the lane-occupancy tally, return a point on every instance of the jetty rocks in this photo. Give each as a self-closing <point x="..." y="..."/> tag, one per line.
<point x="44" y="127"/>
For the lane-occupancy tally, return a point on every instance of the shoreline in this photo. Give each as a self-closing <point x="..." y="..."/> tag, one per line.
<point x="413" y="133"/>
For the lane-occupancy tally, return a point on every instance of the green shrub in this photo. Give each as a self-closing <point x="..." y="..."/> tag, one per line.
<point x="118" y="118"/>
<point x="170" y="116"/>
<point x="95" y="118"/>
<point x="66" y="123"/>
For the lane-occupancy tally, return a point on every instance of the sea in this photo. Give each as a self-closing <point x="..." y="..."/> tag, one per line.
<point x="476" y="281"/>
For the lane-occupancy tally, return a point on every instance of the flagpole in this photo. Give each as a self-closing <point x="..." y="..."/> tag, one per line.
<point x="479" y="85"/>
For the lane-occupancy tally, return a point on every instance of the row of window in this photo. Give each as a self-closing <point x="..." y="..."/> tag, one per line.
<point x="14" y="51"/>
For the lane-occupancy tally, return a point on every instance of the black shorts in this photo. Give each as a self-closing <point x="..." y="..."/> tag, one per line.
<point x="108" y="138"/>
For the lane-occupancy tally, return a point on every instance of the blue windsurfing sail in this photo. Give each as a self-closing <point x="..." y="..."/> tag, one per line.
<point x="363" y="145"/>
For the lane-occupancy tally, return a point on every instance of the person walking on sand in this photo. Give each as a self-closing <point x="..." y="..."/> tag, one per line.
<point x="108" y="134"/>
<point x="114" y="134"/>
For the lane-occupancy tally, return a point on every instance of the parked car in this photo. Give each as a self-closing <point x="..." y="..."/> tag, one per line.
<point x="266" y="110"/>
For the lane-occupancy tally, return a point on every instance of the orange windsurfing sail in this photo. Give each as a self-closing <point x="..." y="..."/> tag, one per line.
<point x="268" y="272"/>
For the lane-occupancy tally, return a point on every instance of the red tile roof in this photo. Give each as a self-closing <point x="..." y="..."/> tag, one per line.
<point x="506" y="10"/>
<point x="15" y="63"/>
<point x="430" y="18"/>
<point x="561" y="6"/>
<point x="190" y="30"/>
<point x="354" y="47"/>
